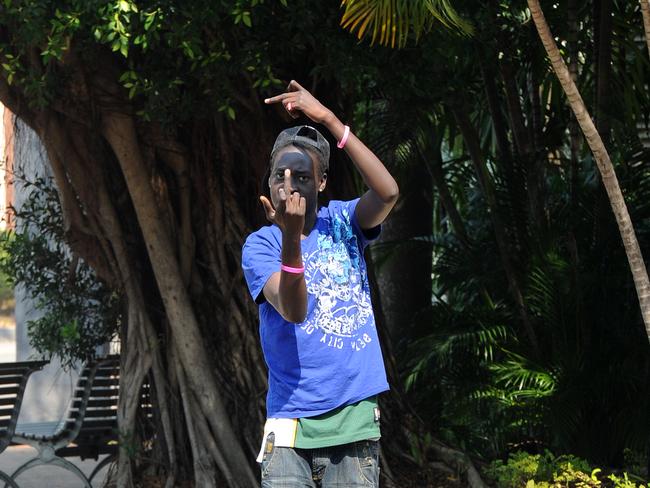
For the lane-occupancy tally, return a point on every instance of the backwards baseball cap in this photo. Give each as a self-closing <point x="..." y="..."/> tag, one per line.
<point x="306" y="137"/>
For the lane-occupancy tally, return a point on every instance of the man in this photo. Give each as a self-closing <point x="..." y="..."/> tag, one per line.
<point x="307" y="273"/>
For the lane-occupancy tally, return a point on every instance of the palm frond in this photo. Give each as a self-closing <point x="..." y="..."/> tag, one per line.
<point x="474" y="333"/>
<point x="389" y="22"/>
<point x="521" y="378"/>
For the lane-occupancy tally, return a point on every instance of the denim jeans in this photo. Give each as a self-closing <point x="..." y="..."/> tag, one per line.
<point x="349" y="465"/>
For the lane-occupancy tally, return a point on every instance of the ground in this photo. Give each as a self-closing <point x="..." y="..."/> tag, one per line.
<point x="47" y="476"/>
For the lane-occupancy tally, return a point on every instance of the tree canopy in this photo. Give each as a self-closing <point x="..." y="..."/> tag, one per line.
<point x="507" y="308"/>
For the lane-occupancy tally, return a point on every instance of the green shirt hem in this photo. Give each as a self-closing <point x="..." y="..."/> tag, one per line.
<point x="338" y="440"/>
<point x="351" y="423"/>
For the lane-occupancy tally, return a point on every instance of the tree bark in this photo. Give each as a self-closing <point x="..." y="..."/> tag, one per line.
<point x="645" y="11"/>
<point x="404" y="275"/>
<point x="139" y="353"/>
<point x="119" y="130"/>
<point x="204" y="474"/>
<point x="608" y="175"/>
<point x="175" y="157"/>
<point x="535" y="159"/>
<point x="135" y="362"/>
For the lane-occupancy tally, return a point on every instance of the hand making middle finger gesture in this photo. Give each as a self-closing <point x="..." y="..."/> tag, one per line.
<point x="290" y="212"/>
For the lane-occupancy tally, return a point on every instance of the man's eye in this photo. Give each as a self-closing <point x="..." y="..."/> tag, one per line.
<point x="279" y="176"/>
<point x="303" y="179"/>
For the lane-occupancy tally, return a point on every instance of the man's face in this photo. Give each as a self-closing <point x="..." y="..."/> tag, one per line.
<point x="305" y="176"/>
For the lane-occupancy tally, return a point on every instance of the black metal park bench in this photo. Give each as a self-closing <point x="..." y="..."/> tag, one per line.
<point x="88" y="431"/>
<point x="13" y="380"/>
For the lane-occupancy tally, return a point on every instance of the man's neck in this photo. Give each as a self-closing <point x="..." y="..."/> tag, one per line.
<point x="309" y="225"/>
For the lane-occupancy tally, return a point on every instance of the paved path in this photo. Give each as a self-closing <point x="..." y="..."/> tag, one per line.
<point x="48" y="476"/>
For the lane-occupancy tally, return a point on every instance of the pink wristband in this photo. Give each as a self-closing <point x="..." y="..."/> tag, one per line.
<point x="292" y="270"/>
<point x="344" y="139"/>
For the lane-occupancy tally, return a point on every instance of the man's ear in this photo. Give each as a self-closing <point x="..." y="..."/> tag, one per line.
<point x="323" y="182"/>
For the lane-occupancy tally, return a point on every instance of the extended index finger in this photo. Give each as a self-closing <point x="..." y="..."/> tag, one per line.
<point x="277" y="98"/>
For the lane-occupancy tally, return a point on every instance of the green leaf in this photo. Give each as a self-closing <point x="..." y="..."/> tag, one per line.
<point x="389" y="21"/>
<point x="246" y="17"/>
<point x="148" y="21"/>
<point x="70" y="331"/>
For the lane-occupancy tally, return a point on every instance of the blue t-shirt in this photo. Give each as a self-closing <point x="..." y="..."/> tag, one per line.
<point x="333" y="358"/>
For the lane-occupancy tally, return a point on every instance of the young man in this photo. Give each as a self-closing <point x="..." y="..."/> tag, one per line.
<point x="307" y="273"/>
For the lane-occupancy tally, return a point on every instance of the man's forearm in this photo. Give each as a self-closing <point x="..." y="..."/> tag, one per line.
<point x="371" y="169"/>
<point x="292" y="291"/>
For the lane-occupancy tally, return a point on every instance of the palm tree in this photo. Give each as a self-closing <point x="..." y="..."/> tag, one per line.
<point x="603" y="161"/>
<point x="390" y="22"/>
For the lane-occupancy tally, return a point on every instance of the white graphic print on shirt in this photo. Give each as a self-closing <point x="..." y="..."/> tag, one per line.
<point x="334" y="275"/>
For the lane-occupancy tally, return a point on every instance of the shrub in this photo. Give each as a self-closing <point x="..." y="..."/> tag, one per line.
<point x="548" y="471"/>
<point x="79" y="312"/>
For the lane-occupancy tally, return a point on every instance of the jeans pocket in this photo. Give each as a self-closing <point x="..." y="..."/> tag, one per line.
<point x="367" y="454"/>
<point x="269" y="452"/>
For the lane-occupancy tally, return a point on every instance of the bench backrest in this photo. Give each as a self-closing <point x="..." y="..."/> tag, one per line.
<point x="13" y="380"/>
<point x="92" y="418"/>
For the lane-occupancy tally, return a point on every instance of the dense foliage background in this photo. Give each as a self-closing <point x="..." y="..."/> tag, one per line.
<point x="500" y="199"/>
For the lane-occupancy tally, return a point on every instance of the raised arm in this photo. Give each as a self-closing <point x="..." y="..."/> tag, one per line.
<point x="376" y="203"/>
<point x="380" y="198"/>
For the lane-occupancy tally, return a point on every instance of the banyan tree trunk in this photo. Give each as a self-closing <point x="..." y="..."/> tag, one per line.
<point x="165" y="229"/>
